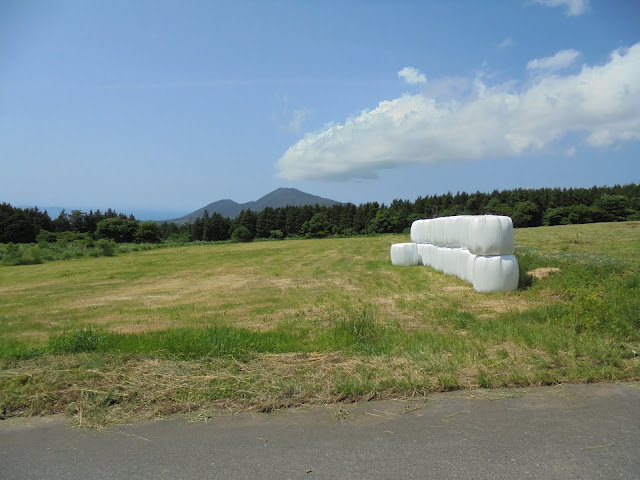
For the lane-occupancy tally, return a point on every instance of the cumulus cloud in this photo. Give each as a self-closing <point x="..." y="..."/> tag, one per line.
<point x="412" y="75"/>
<point x="601" y="103"/>
<point x="574" y="7"/>
<point x="559" y="61"/>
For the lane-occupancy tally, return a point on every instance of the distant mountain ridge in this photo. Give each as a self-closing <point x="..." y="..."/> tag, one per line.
<point x="281" y="197"/>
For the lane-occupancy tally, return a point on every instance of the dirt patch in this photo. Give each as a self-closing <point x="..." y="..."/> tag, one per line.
<point x="487" y="308"/>
<point x="456" y="288"/>
<point x="142" y="327"/>
<point x="543" y="272"/>
<point x="41" y="336"/>
<point x="468" y="377"/>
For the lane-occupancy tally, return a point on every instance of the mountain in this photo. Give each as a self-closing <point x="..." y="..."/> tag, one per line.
<point x="280" y="197"/>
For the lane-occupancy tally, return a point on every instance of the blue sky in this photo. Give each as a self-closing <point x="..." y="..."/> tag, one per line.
<point x="161" y="107"/>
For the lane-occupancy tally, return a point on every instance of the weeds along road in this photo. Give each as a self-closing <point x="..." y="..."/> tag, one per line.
<point x="566" y="431"/>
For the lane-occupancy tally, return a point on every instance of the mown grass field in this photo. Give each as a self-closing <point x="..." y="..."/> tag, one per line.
<point x="210" y="327"/>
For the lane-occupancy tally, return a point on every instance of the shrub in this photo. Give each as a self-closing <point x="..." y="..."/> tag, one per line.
<point x="241" y="234"/>
<point x="11" y="252"/>
<point x="106" y="247"/>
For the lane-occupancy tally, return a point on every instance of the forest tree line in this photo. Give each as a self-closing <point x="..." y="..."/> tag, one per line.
<point x="527" y="208"/>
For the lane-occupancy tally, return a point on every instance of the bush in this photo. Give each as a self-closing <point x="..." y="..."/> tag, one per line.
<point x="241" y="234"/>
<point x="106" y="247"/>
<point x="12" y="254"/>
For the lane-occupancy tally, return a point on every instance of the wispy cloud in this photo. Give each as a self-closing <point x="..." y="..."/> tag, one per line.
<point x="507" y="42"/>
<point x="298" y="116"/>
<point x="601" y="103"/>
<point x="574" y="7"/>
<point x="559" y="61"/>
<point x="287" y="117"/>
<point x="412" y="75"/>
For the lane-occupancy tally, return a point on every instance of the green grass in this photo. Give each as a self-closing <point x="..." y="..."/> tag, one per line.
<point x="34" y="254"/>
<point x="204" y="327"/>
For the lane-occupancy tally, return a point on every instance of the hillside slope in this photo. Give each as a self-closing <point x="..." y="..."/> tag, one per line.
<point x="280" y="197"/>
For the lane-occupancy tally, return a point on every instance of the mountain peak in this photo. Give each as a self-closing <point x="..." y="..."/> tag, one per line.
<point x="280" y="197"/>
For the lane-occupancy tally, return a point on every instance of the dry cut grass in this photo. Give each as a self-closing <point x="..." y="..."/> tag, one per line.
<point x="256" y="286"/>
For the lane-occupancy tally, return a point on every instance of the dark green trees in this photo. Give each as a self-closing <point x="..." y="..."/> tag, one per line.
<point x="215" y="228"/>
<point x="147" y="232"/>
<point x="22" y="225"/>
<point x="527" y="208"/>
<point x="249" y="220"/>
<point x="615" y="207"/>
<point x="117" y="229"/>
<point x="316" y="226"/>
<point x="265" y="222"/>
<point x="197" y="229"/>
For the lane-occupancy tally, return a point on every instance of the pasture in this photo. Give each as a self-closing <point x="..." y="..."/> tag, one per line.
<point x="210" y="327"/>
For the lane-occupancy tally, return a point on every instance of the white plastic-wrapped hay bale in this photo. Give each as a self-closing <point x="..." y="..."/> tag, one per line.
<point x="450" y="225"/>
<point x="419" y="231"/>
<point x="462" y="261"/>
<point x="444" y="259"/>
<point x="450" y="260"/>
<point x="438" y="259"/>
<point x="452" y="232"/>
<point x="496" y="273"/>
<point x="426" y="252"/>
<point x="477" y="249"/>
<point x="416" y="228"/>
<point x="490" y="235"/>
<point x="471" y="258"/>
<point x="404" y="254"/>
<point x="438" y="231"/>
<point x="427" y="231"/>
<point x="449" y="234"/>
<point x="462" y="230"/>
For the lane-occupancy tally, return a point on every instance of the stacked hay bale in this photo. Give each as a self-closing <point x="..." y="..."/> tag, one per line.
<point x="476" y="248"/>
<point x="405" y="254"/>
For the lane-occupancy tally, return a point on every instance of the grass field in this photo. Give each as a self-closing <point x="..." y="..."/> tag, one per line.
<point x="207" y="327"/>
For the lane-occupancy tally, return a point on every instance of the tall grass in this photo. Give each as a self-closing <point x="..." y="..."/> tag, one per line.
<point x="35" y="253"/>
<point x="183" y="343"/>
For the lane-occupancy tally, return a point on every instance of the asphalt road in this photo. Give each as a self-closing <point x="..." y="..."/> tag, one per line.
<point x="566" y="431"/>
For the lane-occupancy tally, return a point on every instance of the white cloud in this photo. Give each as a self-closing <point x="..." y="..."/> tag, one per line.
<point x="412" y="75"/>
<point x="574" y="7"/>
<point x="601" y="102"/>
<point x="559" y="61"/>
<point x="570" y="152"/>
<point x="507" y="42"/>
